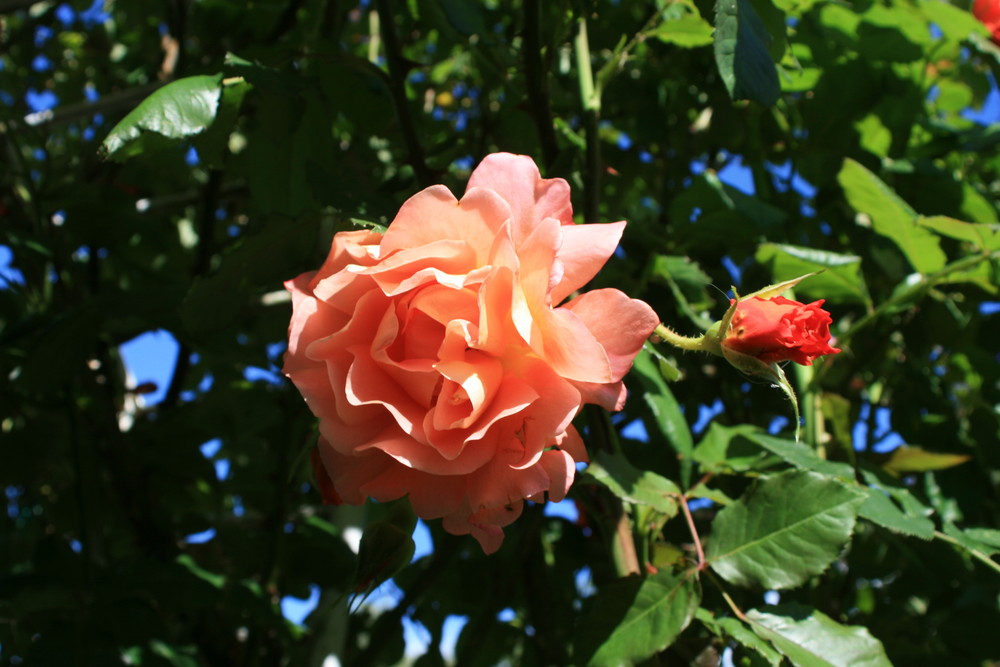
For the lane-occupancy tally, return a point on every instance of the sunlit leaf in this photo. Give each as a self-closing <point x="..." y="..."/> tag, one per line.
<point x="835" y="277"/>
<point x="683" y="27"/>
<point x="727" y="626"/>
<point x="891" y="217"/>
<point x="986" y="237"/>
<point x="784" y="529"/>
<point x="810" y="638"/>
<point x="180" y="109"/>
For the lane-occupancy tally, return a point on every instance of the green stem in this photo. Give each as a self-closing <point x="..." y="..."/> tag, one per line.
<point x="702" y="343"/>
<point x="811" y="409"/>
<point x="975" y="553"/>
<point x="729" y="601"/>
<point x="589" y="96"/>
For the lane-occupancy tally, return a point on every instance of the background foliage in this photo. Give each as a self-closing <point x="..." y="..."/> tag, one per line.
<point x="165" y="525"/>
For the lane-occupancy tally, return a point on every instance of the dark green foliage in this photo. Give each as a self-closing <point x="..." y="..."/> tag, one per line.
<point x="310" y="117"/>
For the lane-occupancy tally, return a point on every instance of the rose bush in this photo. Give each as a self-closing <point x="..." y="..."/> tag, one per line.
<point x="779" y="329"/>
<point x="439" y="361"/>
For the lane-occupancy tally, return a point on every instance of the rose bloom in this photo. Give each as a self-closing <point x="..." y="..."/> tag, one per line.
<point x="439" y="360"/>
<point x="779" y="329"/>
<point x="988" y="13"/>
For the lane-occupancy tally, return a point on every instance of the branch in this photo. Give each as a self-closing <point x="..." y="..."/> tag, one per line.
<point x="538" y="83"/>
<point x="398" y="67"/>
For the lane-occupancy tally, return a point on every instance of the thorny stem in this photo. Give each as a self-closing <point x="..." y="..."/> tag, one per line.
<point x="703" y="343"/>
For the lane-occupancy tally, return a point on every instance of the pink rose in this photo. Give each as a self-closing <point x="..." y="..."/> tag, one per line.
<point x="439" y="361"/>
<point x="779" y="329"/>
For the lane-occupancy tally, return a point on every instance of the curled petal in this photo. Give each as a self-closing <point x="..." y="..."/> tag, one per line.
<point x="621" y="325"/>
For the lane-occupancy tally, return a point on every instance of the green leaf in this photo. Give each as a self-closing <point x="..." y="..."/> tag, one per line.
<point x="633" y="618"/>
<point x="983" y="540"/>
<point x="801" y="455"/>
<point x="810" y="638"/>
<point x="741" y="53"/>
<point x="914" y="459"/>
<point x="215" y="580"/>
<point x="682" y="27"/>
<point x="666" y="411"/>
<point x="727" y="626"/>
<point x="891" y="217"/>
<point x="837" y="277"/>
<point x="213" y="144"/>
<point x="180" y="109"/>
<point x="955" y="23"/>
<point x="386" y="548"/>
<point x="633" y="485"/>
<point x="784" y="529"/>
<point x="879" y="508"/>
<point x="727" y="449"/>
<point x="984" y="237"/>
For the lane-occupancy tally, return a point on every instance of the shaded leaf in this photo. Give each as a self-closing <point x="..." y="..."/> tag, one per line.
<point x="666" y="410"/>
<point x="722" y="449"/>
<point x="633" y="618"/>
<point x="880" y="509"/>
<point x="984" y="540"/>
<point x="741" y="53"/>
<point x="801" y="455"/>
<point x="633" y="485"/>
<point x="386" y="548"/>
<point x="784" y="529"/>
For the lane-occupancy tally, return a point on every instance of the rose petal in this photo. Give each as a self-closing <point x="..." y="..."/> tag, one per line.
<point x="531" y="198"/>
<point x="620" y="324"/>
<point x="583" y="251"/>
<point x="434" y="214"/>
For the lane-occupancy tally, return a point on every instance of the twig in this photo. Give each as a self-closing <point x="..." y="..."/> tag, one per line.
<point x="694" y="533"/>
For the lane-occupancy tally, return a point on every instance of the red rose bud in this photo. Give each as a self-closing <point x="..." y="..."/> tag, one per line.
<point x="988" y="13"/>
<point x="779" y="329"/>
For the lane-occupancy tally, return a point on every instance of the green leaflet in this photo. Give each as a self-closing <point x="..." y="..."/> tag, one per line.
<point x="741" y="43"/>
<point x="785" y="529"/>
<point x="810" y="638"/>
<point x="632" y="618"/>
<point x="180" y="109"/>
